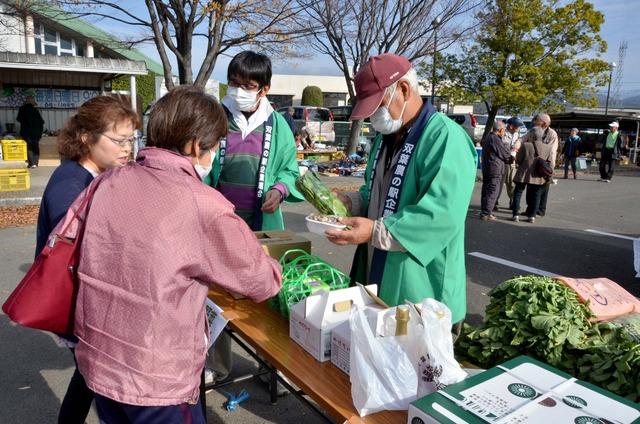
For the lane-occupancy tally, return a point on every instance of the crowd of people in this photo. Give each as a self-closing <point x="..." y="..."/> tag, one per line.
<point x="525" y="165"/>
<point x="163" y="228"/>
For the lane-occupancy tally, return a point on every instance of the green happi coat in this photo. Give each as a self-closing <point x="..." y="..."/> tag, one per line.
<point x="430" y="220"/>
<point x="282" y="167"/>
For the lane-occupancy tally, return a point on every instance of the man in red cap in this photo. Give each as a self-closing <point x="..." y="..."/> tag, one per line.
<point x="417" y="189"/>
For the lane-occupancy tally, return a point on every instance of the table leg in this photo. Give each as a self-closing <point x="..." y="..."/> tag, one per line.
<point x="273" y="386"/>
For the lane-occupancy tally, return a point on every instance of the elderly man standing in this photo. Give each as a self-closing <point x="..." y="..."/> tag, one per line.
<point x="414" y="202"/>
<point x="550" y="137"/>
<point x="511" y="139"/>
<point x="495" y="154"/>
<point x="611" y="150"/>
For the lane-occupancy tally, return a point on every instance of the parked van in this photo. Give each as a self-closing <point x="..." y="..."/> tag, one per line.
<point x="472" y="124"/>
<point x="318" y="119"/>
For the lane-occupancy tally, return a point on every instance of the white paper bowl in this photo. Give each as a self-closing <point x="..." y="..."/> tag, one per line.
<point x="320" y="227"/>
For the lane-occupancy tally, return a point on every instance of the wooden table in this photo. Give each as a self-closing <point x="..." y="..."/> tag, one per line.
<point x="266" y="331"/>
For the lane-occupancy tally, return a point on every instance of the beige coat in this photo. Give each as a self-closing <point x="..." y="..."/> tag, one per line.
<point x="525" y="159"/>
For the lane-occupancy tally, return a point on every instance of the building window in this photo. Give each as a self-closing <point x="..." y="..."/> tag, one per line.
<point x="51" y="49"/>
<point x="49" y="41"/>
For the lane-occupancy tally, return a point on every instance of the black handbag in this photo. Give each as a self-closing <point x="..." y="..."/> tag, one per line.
<point x="543" y="167"/>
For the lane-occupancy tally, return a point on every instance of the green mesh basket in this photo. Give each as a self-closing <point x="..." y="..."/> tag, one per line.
<point x="302" y="276"/>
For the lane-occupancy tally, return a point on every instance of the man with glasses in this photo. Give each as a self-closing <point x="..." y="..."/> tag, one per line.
<point x="256" y="166"/>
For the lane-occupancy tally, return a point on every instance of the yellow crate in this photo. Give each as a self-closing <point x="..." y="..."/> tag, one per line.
<point x="14" y="150"/>
<point x="14" y="180"/>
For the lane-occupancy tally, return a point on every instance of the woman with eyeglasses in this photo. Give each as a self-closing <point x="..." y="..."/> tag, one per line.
<point x="140" y="312"/>
<point x="97" y="138"/>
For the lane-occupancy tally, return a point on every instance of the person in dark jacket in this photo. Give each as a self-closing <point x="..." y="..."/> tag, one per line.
<point x="570" y="152"/>
<point x="495" y="154"/>
<point x="31" y="128"/>
<point x="611" y="151"/>
<point x="527" y="175"/>
<point x="97" y="138"/>
<point x="288" y="116"/>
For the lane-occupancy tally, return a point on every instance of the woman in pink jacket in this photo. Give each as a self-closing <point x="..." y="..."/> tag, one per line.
<point x="156" y="238"/>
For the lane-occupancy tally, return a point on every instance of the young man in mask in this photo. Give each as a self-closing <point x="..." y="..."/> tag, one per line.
<point x="256" y="166"/>
<point x="414" y="202"/>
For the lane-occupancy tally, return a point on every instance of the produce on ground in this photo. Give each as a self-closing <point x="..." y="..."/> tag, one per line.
<point x="541" y="317"/>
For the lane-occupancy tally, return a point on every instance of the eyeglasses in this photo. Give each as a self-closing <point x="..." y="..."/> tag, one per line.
<point x="246" y="87"/>
<point x="121" y="142"/>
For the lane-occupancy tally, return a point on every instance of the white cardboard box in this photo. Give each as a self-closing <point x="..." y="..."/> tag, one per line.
<point x="312" y="319"/>
<point x="341" y="346"/>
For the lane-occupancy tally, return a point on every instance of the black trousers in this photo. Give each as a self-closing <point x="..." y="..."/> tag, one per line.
<point x="606" y="164"/>
<point x="33" y="150"/>
<point x="544" y="194"/>
<point x="77" y="401"/>
<point x="567" y="162"/>
<point x="490" y="191"/>
<point x="533" y="195"/>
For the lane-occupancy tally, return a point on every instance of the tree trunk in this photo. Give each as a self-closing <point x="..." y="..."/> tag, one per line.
<point x="354" y="137"/>
<point x="490" y="118"/>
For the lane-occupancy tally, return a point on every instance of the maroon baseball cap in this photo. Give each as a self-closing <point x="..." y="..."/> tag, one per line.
<point x="373" y="78"/>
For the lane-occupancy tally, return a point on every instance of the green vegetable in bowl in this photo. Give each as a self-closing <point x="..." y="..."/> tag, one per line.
<point x="320" y="196"/>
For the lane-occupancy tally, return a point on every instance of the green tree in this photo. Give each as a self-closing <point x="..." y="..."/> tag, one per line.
<point x="145" y="87"/>
<point x="528" y="55"/>
<point x="312" y="96"/>
<point x="223" y="90"/>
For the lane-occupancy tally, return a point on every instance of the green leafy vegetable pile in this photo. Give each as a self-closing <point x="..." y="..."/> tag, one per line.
<point x="543" y="318"/>
<point x="320" y="196"/>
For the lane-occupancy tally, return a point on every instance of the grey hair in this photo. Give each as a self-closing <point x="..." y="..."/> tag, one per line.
<point x="543" y="117"/>
<point x="411" y="77"/>
<point x="497" y="125"/>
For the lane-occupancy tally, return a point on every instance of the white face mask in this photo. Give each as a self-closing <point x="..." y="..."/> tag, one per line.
<point x="203" y="171"/>
<point x="245" y="100"/>
<point x="382" y="121"/>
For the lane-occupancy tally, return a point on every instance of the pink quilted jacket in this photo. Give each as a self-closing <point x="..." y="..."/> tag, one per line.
<point x="155" y="239"/>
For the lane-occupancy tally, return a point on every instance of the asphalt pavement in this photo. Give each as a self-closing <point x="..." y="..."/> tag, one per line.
<point x="587" y="233"/>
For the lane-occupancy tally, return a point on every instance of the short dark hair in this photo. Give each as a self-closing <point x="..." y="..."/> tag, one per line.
<point x="92" y="118"/>
<point x="250" y="65"/>
<point x="184" y="114"/>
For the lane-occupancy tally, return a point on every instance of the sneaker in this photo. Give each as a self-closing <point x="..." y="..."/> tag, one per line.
<point x="607" y="181"/>
<point x="540" y="213"/>
<point x="33" y="166"/>
<point x="487" y="217"/>
<point x="515" y="218"/>
<point x="531" y="220"/>
<point x="209" y="376"/>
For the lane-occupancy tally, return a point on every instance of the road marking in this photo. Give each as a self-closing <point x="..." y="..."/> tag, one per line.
<point x="604" y="233"/>
<point x="513" y="264"/>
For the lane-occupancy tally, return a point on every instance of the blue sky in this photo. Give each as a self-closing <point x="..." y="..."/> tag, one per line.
<point x="621" y="20"/>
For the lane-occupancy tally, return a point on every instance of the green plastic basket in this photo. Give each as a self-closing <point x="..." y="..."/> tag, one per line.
<point x="303" y="276"/>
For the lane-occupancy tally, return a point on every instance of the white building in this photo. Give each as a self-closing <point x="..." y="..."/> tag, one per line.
<point x="61" y="60"/>
<point x="286" y="90"/>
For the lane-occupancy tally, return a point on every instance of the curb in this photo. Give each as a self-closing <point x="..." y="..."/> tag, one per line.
<point x="20" y="201"/>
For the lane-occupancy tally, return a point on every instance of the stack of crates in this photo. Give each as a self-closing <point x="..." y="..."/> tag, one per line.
<point x="13" y="173"/>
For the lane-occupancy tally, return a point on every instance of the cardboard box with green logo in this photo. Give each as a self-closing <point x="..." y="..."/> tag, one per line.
<point x="523" y="391"/>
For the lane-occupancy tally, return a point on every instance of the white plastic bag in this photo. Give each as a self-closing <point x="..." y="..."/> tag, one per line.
<point x="437" y="366"/>
<point x="383" y="370"/>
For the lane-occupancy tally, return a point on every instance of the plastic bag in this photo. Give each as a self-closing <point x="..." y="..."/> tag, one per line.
<point x="437" y="366"/>
<point x="383" y="370"/>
